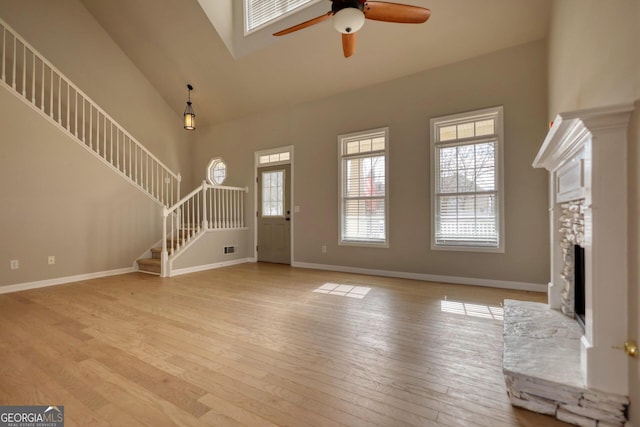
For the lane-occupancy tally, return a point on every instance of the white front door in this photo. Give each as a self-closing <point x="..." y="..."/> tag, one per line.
<point x="274" y="214"/>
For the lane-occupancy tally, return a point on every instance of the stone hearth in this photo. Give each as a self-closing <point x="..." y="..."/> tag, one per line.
<point x="541" y="364"/>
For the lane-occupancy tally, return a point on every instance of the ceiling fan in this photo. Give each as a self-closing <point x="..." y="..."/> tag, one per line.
<point x="349" y="16"/>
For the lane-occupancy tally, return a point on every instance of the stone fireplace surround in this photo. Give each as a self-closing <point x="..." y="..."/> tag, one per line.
<point x="571" y="229"/>
<point x="550" y="364"/>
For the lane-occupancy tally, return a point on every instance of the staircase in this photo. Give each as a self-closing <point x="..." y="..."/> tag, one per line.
<point x="208" y="208"/>
<point x="35" y="81"/>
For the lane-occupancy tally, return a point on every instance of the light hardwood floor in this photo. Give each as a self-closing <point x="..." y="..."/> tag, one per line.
<point x="252" y="345"/>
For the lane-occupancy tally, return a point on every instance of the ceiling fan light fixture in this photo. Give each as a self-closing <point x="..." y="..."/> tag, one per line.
<point x="348" y="20"/>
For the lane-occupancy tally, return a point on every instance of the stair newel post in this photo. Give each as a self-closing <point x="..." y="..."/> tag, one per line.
<point x="205" y="222"/>
<point x="246" y="191"/>
<point x="217" y="198"/>
<point x="165" y="253"/>
<point x="176" y="242"/>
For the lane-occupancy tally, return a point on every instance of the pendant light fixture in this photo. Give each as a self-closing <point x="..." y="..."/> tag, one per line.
<point x="189" y="115"/>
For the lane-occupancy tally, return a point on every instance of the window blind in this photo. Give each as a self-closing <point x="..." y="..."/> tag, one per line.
<point x="364" y="199"/>
<point x="258" y="12"/>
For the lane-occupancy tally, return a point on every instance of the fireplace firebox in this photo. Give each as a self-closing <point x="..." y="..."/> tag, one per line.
<point x="579" y="285"/>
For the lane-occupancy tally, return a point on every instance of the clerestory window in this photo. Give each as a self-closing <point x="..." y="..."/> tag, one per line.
<point x="260" y="12"/>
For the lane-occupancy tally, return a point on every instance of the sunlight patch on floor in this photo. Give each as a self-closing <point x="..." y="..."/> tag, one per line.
<point x="343" y="290"/>
<point x="474" y="310"/>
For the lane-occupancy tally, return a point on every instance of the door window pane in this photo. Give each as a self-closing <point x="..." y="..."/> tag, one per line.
<point x="273" y="193"/>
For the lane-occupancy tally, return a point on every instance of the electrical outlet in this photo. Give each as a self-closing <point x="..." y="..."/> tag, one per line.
<point x="15" y="264"/>
<point x="52" y="260"/>
<point x="324" y="249"/>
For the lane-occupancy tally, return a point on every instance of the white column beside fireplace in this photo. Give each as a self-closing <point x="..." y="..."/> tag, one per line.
<point x="585" y="154"/>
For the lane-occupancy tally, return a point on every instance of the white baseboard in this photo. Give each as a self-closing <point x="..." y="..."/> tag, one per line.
<point x="62" y="280"/>
<point x="386" y="273"/>
<point x="522" y="286"/>
<point x="197" y="268"/>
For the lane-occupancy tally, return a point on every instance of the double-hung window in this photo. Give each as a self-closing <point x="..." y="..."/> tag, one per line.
<point x="363" y="187"/>
<point x="468" y="195"/>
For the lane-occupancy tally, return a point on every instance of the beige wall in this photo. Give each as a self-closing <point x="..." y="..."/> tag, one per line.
<point x="55" y="198"/>
<point x="594" y="61"/>
<point x="208" y="249"/>
<point x="592" y="54"/>
<point x="515" y="78"/>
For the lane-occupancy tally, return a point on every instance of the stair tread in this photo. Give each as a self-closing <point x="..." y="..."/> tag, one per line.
<point x="149" y="261"/>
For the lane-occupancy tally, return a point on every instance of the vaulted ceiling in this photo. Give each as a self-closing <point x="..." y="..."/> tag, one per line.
<point x="173" y="42"/>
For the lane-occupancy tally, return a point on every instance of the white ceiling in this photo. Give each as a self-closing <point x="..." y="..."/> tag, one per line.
<point x="174" y="43"/>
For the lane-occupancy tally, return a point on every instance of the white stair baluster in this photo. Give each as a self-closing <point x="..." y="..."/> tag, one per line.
<point x="33" y="78"/>
<point x="146" y="184"/>
<point x="104" y="136"/>
<point x="13" y="76"/>
<point x="91" y="126"/>
<point x="51" y="92"/>
<point x="233" y="209"/>
<point x="75" y="113"/>
<point x="229" y="201"/>
<point x="4" y="53"/>
<point x="68" y="104"/>
<point x="42" y="89"/>
<point x="219" y="214"/>
<point x="118" y="149"/>
<point x="84" y="119"/>
<point x="24" y="71"/>
<point x="59" y="100"/>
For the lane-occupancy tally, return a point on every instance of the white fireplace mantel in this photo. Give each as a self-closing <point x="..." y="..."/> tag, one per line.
<point x="585" y="153"/>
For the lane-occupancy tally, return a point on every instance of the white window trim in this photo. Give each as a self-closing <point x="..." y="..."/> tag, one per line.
<point x="498" y="113"/>
<point x="341" y="138"/>
<point x="210" y="166"/>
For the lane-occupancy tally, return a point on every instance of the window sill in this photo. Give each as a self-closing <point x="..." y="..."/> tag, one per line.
<point x="362" y="244"/>
<point x="467" y="248"/>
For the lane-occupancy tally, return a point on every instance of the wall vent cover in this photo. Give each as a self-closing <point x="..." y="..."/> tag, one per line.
<point x="230" y="249"/>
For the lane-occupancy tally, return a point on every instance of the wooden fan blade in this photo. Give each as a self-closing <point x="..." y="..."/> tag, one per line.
<point x="348" y="44"/>
<point x="305" y="24"/>
<point x="393" y="12"/>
